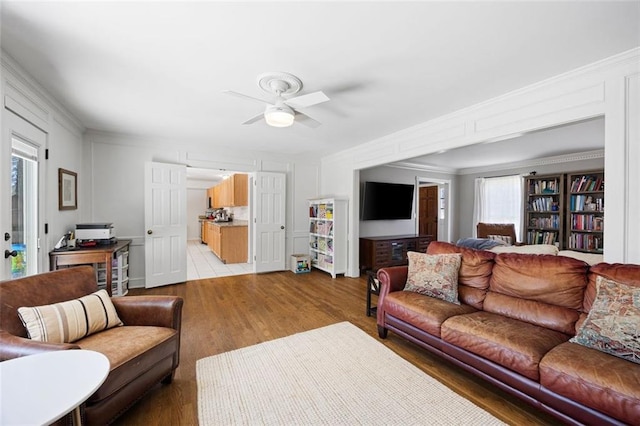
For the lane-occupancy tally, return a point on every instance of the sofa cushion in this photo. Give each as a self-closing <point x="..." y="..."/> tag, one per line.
<point x="613" y="323"/>
<point x="131" y="351"/>
<point x="66" y="322"/>
<point x="474" y="274"/>
<point x="513" y="344"/>
<point x="590" y="258"/>
<point x="593" y="378"/>
<point x="555" y="283"/>
<point x="434" y="275"/>
<point x="424" y="312"/>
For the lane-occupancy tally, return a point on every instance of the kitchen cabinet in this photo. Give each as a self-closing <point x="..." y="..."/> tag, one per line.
<point x="204" y="231"/>
<point x="231" y="192"/>
<point x="228" y="241"/>
<point x="215" y="197"/>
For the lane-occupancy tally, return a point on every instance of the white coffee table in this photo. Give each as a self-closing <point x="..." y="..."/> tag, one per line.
<point x="40" y="389"/>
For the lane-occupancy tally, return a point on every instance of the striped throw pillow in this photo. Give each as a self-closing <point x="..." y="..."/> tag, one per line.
<point x="69" y="321"/>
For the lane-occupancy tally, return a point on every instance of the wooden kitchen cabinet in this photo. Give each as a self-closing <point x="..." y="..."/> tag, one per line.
<point x="234" y="191"/>
<point x="231" y="192"/>
<point x="228" y="242"/>
<point x="204" y="232"/>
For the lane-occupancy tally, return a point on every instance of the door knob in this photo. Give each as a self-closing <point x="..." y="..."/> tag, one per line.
<point x="8" y="253"/>
<point x="149" y="232"/>
<point x="281" y="226"/>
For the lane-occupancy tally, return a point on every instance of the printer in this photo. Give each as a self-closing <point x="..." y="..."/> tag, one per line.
<point x="100" y="232"/>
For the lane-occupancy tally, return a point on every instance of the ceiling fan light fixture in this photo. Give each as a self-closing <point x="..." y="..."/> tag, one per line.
<point x="279" y="116"/>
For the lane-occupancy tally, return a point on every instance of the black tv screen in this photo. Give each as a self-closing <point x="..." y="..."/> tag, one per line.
<point x="387" y="201"/>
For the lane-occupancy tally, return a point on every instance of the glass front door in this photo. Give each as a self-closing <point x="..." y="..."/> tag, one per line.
<point x="22" y="197"/>
<point x="24" y="208"/>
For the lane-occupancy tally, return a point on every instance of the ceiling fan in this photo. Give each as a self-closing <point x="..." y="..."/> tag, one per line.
<point x="283" y="111"/>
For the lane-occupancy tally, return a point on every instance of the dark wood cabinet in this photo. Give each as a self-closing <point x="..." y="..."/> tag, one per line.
<point x="382" y="252"/>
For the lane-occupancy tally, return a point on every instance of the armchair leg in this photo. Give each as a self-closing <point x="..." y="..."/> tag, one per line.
<point x="382" y="332"/>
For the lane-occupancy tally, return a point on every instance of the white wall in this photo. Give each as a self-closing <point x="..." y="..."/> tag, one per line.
<point x="606" y="88"/>
<point x="197" y="202"/>
<point x="374" y="228"/>
<point x="26" y="98"/>
<point x="117" y="163"/>
<point x="591" y="132"/>
<point x="465" y="187"/>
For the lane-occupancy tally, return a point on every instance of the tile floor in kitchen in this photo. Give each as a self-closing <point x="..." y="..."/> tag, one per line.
<point x="202" y="263"/>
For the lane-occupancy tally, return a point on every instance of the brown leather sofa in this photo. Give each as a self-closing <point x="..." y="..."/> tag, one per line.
<point x="512" y="328"/>
<point x="142" y="352"/>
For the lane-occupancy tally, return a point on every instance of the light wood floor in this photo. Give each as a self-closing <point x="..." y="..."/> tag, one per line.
<point x="222" y="314"/>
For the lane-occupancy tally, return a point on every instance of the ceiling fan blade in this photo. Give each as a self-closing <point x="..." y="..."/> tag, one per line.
<point x="305" y="101"/>
<point x="254" y="119"/>
<point x="241" y="95"/>
<point x="305" y="120"/>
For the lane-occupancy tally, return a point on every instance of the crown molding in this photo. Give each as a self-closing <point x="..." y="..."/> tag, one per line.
<point x="60" y="113"/>
<point x="558" y="159"/>
<point x="407" y="165"/>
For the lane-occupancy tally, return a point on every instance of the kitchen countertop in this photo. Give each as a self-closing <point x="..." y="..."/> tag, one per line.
<point x="230" y="223"/>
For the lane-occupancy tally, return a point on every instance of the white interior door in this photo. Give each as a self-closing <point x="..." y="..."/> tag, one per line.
<point x="269" y="206"/>
<point x="23" y="198"/>
<point x="165" y="219"/>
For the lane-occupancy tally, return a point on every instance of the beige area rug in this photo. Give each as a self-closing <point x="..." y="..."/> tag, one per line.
<point x="334" y="375"/>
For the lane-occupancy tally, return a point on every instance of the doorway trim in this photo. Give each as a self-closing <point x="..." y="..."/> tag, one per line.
<point x="444" y="226"/>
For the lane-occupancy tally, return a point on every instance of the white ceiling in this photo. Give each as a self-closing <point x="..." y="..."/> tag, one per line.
<point x="159" y="68"/>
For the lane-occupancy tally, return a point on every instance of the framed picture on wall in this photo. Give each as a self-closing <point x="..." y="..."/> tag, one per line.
<point x="67" y="190"/>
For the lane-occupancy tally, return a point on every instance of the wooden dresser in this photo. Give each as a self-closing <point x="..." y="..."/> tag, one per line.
<point x="382" y="252"/>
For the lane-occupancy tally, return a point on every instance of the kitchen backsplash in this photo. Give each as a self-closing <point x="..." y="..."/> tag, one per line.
<point x="239" y="213"/>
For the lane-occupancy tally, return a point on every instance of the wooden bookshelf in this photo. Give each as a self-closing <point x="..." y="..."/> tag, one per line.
<point x="585" y="211"/>
<point x="544" y="209"/>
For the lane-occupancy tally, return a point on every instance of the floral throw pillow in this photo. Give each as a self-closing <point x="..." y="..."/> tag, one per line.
<point x="434" y="275"/>
<point x="613" y="323"/>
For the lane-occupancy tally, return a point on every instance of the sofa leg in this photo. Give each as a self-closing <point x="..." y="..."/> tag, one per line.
<point x="382" y="332"/>
<point x="169" y="378"/>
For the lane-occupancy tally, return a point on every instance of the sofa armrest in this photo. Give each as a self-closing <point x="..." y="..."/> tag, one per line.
<point x="159" y="311"/>
<point x="14" y="346"/>
<point x="392" y="279"/>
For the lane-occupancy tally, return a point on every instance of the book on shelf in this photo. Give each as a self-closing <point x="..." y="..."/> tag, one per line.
<point x="543" y="186"/>
<point x="587" y="183"/>
<point x="542" y="237"/>
<point x="548" y="222"/>
<point x="543" y="204"/>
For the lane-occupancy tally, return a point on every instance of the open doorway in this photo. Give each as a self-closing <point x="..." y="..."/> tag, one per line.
<point x="202" y="262"/>
<point x="433" y="210"/>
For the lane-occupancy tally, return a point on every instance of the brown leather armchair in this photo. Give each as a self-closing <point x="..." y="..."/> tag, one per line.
<point x="143" y="352"/>
<point x="483" y="230"/>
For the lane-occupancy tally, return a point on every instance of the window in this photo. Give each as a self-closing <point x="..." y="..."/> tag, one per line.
<point x="499" y="200"/>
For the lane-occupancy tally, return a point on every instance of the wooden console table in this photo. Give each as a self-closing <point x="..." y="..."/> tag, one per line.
<point x="88" y="255"/>
<point x="382" y="252"/>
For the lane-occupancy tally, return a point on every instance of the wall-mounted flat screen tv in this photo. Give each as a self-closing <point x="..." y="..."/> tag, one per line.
<point x="386" y="201"/>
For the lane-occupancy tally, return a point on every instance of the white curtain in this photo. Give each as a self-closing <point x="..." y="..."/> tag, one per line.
<point x="498" y="200"/>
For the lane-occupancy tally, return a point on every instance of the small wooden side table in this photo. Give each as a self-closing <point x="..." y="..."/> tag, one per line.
<point x="88" y="255"/>
<point x="373" y="287"/>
